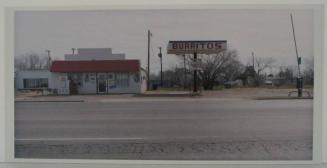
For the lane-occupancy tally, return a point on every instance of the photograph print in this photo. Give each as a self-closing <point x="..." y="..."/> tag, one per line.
<point x="188" y="84"/>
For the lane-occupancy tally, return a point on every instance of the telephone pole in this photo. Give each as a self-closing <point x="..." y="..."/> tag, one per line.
<point x="148" y="81"/>
<point x="160" y="56"/>
<point x="253" y="60"/>
<point x="297" y="54"/>
<point x="49" y="58"/>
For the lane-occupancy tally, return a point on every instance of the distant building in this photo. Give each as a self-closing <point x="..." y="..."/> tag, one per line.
<point x="248" y="76"/>
<point x="90" y="71"/>
<point x="87" y="54"/>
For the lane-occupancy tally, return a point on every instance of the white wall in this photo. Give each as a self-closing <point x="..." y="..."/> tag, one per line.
<point x="59" y="81"/>
<point x="143" y="81"/>
<point x="89" y="87"/>
<point x="30" y="74"/>
<point x="56" y="81"/>
<point x="94" y="54"/>
<point x="94" y="51"/>
<point x="134" y="87"/>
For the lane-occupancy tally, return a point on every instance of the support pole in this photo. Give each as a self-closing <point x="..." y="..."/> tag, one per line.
<point x="298" y="60"/>
<point x="195" y="75"/>
<point x="184" y="71"/>
<point x="253" y="60"/>
<point x="160" y="56"/>
<point x="148" y="73"/>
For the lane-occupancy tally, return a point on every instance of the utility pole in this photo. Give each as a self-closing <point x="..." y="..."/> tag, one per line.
<point x="148" y="81"/>
<point x="253" y="60"/>
<point x="160" y="56"/>
<point x="299" y="81"/>
<point x="49" y="58"/>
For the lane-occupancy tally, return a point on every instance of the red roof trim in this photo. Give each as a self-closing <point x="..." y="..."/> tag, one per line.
<point x="96" y="66"/>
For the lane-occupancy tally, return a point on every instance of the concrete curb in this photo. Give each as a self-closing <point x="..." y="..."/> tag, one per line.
<point x="168" y="95"/>
<point x="31" y="101"/>
<point x="282" y="98"/>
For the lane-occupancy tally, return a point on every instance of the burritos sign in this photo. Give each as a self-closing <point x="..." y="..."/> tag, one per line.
<point x="200" y="47"/>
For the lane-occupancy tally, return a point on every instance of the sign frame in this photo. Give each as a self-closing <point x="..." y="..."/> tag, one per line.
<point x="196" y="46"/>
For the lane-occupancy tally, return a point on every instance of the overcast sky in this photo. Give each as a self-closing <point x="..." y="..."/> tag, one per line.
<point x="268" y="33"/>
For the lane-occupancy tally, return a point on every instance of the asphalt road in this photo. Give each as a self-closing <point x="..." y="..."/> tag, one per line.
<point x="164" y="120"/>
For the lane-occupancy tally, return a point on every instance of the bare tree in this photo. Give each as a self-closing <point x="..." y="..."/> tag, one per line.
<point x="286" y="75"/>
<point x="218" y="67"/>
<point x="309" y="71"/>
<point x="261" y="64"/>
<point x="31" y="61"/>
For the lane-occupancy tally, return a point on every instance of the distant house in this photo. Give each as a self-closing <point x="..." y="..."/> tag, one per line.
<point x="269" y="81"/>
<point x="91" y="71"/>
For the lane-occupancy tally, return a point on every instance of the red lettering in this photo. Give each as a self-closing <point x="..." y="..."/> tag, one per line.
<point x="209" y="45"/>
<point x="187" y="46"/>
<point x="174" y="45"/>
<point x="192" y="45"/>
<point x="202" y="45"/>
<point x="180" y="46"/>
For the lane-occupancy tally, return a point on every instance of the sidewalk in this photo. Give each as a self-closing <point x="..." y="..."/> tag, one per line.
<point x="70" y="98"/>
<point x="168" y="94"/>
<point x="230" y="94"/>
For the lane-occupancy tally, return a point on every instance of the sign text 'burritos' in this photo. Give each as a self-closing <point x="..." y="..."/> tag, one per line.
<point x="200" y="47"/>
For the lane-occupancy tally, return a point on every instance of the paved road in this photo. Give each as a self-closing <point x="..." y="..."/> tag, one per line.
<point x="165" y="120"/>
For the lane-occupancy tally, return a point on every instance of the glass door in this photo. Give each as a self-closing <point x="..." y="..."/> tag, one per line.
<point x="111" y="81"/>
<point x="102" y="83"/>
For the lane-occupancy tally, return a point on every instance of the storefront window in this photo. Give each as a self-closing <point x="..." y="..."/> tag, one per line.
<point x="77" y="78"/>
<point x="36" y="83"/>
<point x="122" y="80"/>
<point x="136" y="77"/>
<point x="86" y="77"/>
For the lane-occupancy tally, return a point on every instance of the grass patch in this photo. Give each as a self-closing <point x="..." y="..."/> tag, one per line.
<point x="173" y="89"/>
<point x="219" y="87"/>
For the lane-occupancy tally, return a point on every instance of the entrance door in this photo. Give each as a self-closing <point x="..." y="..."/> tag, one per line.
<point x="102" y="86"/>
<point x="73" y="87"/>
<point x="102" y="83"/>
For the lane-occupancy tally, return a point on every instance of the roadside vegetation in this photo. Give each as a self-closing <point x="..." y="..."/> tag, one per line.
<point x="225" y="71"/>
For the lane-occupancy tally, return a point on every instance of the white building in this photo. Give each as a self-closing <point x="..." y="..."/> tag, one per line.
<point x="98" y="71"/>
<point x="87" y="54"/>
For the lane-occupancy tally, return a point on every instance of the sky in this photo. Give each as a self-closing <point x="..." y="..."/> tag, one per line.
<point x="266" y="32"/>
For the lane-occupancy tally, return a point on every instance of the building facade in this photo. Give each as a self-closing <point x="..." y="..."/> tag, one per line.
<point x="97" y="72"/>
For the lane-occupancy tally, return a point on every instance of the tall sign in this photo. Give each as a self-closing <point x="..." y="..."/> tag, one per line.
<point x="199" y="47"/>
<point x="195" y="48"/>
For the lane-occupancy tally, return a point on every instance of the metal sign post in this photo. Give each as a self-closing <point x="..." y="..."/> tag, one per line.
<point x="195" y="87"/>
